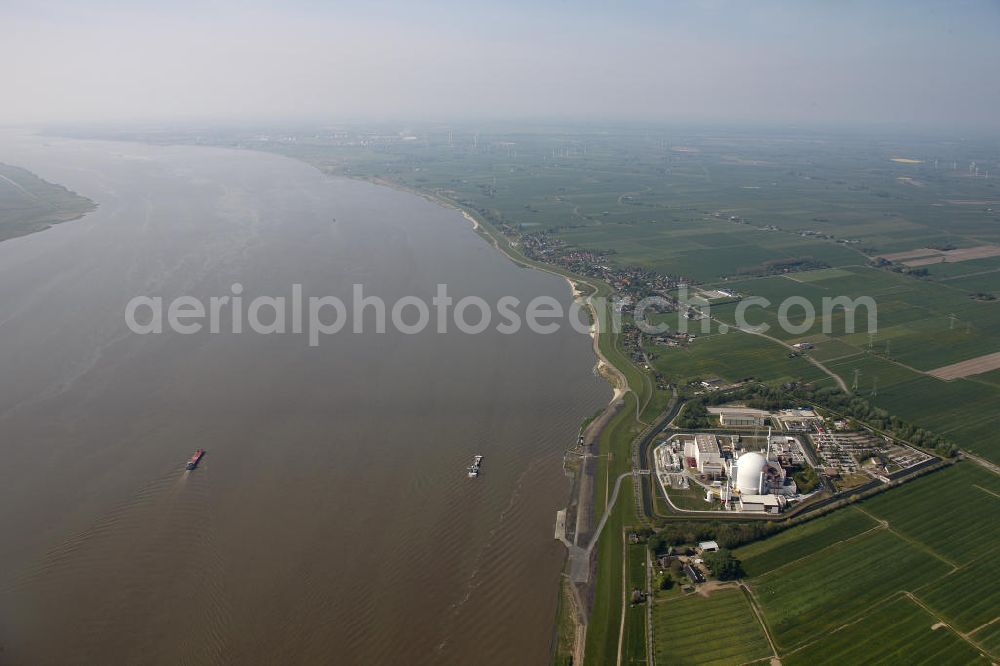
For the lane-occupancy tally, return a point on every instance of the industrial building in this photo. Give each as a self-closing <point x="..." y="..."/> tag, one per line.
<point x="762" y="503"/>
<point x="740" y="420"/>
<point x="749" y="473"/>
<point x="707" y="454"/>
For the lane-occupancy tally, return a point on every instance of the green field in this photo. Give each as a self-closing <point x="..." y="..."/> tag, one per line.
<point x="954" y="512"/>
<point x="968" y="598"/>
<point x="989" y="638"/>
<point x="718" y="629"/>
<point x="933" y="538"/>
<point x="734" y="356"/>
<point x="634" y="637"/>
<point x="29" y="204"/>
<point x="896" y="632"/>
<point x="833" y="586"/>
<point x="791" y="545"/>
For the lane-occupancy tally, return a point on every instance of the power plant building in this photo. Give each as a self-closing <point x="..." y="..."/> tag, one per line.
<point x="708" y="455"/>
<point x="740" y="419"/>
<point x="750" y="472"/>
<point x="762" y="503"/>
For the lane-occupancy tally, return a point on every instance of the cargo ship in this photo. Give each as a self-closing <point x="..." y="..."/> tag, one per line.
<point x="195" y="459"/>
<point x="474" y="467"/>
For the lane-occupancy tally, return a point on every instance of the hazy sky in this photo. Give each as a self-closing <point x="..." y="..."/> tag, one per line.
<point x="809" y="62"/>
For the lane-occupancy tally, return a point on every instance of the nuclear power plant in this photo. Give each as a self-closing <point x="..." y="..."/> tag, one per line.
<point x="745" y="473"/>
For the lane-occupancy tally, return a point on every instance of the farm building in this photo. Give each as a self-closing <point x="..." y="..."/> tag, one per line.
<point x="708" y="546"/>
<point x="693" y="574"/>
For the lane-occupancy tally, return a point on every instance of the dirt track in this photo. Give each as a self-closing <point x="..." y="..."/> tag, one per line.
<point x="972" y="366"/>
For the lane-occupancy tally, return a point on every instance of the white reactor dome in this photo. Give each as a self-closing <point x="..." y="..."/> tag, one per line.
<point x="748" y="469"/>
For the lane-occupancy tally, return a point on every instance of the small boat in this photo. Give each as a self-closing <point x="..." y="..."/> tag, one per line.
<point x="474" y="467"/>
<point x="195" y="459"/>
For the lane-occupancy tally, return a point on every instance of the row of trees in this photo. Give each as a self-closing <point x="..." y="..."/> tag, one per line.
<point x="726" y="534"/>
<point x="693" y="416"/>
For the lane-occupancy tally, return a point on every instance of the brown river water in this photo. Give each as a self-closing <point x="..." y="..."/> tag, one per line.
<point x="331" y="520"/>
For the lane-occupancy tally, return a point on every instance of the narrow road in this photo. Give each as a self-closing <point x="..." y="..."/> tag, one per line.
<point x="837" y="378"/>
<point x="760" y="618"/>
<point x="982" y="462"/>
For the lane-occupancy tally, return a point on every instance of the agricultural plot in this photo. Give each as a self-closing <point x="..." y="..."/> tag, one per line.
<point x="933" y="538"/>
<point x="794" y="544"/>
<point x="991" y="378"/>
<point x="718" y="629"/>
<point x="952" y="270"/>
<point x="954" y="512"/>
<point x="969" y="598"/>
<point x="962" y="410"/>
<point x="815" y="595"/>
<point x="733" y="356"/>
<point x="988" y="283"/>
<point x="973" y="366"/>
<point x="827" y="349"/>
<point x="989" y="638"/>
<point x="634" y="639"/>
<point x="897" y="632"/>
<point x="919" y="323"/>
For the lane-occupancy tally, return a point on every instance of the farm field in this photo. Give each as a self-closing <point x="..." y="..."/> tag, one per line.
<point x="977" y="282"/>
<point x="969" y="598"/>
<point x="835" y="585"/>
<point x="961" y="409"/>
<point x="932" y="538"/>
<point x="914" y="316"/>
<point x="634" y="638"/>
<point x="779" y="550"/>
<point x="973" y="366"/>
<point x="896" y="632"/>
<point x="989" y="638"/>
<point x="954" y="512"/>
<point x="733" y="356"/>
<point x="718" y="629"/>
